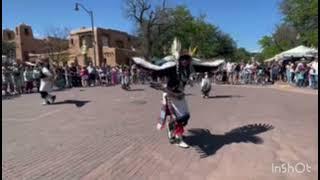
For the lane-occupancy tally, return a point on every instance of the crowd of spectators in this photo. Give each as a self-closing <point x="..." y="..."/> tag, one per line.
<point x="300" y="73"/>
<point x="22" y="78"/>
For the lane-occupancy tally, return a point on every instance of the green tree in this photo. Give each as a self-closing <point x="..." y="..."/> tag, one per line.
<point x="151" y="21"/>
<point x="157" y="32"/>
<point x="56" y="44"/>
<point x="303" y="15"/>
<point x="9" y="49"/>
<point x="285" y="37"/>
<point x="241" y="55"/>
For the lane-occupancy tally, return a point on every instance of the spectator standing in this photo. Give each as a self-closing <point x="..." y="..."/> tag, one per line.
<point x="7" y="80"/>
<point x="236" y="73"/>
<point x="73" y="75"/>
<point x="314" y="76"/>
<point x="84" y="76"/>
<point x="92" y="74"/>
<point x="28" y="79"/>
<point x="36" y="77"/>
<point x="17" y="78"/>
<point x="300" y="74"/>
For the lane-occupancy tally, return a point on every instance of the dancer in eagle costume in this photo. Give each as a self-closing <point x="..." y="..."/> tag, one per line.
<point x="177" y="69"/>
<point x="47" y="77"/>
<point x="205" y="85"/>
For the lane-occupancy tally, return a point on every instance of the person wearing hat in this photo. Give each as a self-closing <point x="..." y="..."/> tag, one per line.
<point x="46" y="82"/>
<point x="174" y="102"/>
<point x="205" y="85"/>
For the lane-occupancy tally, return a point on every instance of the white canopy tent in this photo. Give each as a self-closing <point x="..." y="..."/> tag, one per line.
<point x="270" y="59"/>
<point x="214" y="63"/>
<point x="299" y="51"/>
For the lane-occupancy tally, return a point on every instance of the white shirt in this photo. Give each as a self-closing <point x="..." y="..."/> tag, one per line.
<point x="229" y="67"/>
<point x="90" y="69"/>
<point x="291" y="68"/>
<point x="314" y="65"/>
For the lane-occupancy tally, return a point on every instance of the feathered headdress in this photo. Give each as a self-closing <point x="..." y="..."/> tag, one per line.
<point x="192" y="51"/>
<point x="176" y="48"/>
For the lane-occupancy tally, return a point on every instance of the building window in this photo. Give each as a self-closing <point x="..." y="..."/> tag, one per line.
<point x="26" y="31"/>
<point x="120" y="44"/>
<point x="105" y="41"/>
<point x="87" y="40"/>
<point x="71" y="41"/>
<point x="9" y="36"/>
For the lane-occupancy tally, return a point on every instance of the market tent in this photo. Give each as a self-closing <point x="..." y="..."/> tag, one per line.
<point x="270" y="59"/>
<point x="298" y="52"/>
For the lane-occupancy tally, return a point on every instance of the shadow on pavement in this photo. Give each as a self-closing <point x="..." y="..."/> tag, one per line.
<point x="224" y="96"/>
<point x="135" y="90"/>
<point x="189" y="94"/>
<point x="75" y="102"/>
<point x="7" y="97"/>
<point x="207" y="144"/>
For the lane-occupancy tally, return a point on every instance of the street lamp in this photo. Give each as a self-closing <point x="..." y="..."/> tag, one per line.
<point x="93" y="37"/>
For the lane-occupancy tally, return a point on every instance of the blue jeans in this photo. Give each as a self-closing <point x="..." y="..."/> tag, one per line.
<point x="288" y="77"/>
<point x="314" y="81"/>
<point x="300" y="79"/>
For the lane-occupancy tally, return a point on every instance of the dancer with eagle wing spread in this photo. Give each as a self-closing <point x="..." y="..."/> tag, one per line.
<point x="177" y="69"/>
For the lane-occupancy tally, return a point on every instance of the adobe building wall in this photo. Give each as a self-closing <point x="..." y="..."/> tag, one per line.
<point x="8" y="35"/>
<point x="107" y="44"/>
<point x="112" y="47"/>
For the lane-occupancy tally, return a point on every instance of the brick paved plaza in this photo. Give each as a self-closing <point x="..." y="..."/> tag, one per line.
<point x="108" y="133"/>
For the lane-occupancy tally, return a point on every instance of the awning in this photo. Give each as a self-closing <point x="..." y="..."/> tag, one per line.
<point x="297" y="52"/>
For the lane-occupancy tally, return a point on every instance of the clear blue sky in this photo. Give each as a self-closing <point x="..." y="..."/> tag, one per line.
<point x="245" y="20"/>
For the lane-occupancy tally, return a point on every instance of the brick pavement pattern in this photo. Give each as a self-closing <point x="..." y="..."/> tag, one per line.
<point x="108" y="133"/>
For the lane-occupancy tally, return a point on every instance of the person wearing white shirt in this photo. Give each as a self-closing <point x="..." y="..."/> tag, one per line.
<point x="229" y="68"/>
<point x="314" y="74"/>
<point x="36" y="77"/>
<point x="92" y="74"/>
<point x="27" y="75"/>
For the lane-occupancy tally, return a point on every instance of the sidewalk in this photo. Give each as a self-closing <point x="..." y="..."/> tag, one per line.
<point x="292" y="88"/>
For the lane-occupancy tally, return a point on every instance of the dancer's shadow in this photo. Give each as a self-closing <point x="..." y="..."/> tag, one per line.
<point x="75" y="102"/>
<point x="208" y="144"/>
<point x="224" y="96"/>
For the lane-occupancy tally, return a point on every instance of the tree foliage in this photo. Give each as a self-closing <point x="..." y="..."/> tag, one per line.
<point x="285" y="37"/>
<point x="242" y="55"/>
<point x="303" y="15"/>
<point x="158" y="25"/>
<point x="56" y="44"/>
<point x="300" y="26"/>
<point x="9" y="49"/>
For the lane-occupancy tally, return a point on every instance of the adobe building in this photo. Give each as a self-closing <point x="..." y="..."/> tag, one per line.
<point x="25" y="42"/>
<point x="112" y="47"/>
